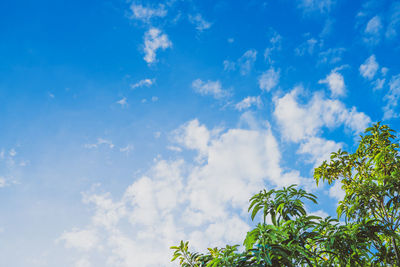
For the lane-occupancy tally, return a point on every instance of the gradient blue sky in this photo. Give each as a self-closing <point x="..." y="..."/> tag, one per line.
<point x="126" y="126"/>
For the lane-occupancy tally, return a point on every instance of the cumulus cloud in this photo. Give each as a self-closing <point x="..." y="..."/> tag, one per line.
<point x="248" y="102"/>
<point x="154" y="40"/>
<point x="175" y="199"/>
<point x="304" y="123"/>
<point x="369" y="68"/>
<point x="318" y="149"/>
<point x="213" y="88"/>
<point x="145" y="13"/>
<point x="335" y="82"/>
<point x="200" y="23"/>
<point x="145" y="82"/>
<point x="392" y="98"/>
<point x="299" y="122"/>
<point x="269" y="79"/>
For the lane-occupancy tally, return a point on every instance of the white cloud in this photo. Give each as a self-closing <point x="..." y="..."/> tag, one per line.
<point x="193" y="136"/>
<point x="248" y="102"/>
<point x="213" y="88"/>
<point x="394" y="21"/>
<point x="100" y="141"/>
<point x="178" y="200"/>
<point x="200" y="23"/>
<point x="332" y="55"/>
<point x="373" y="31"/>
<point x="80" y="239"/>
<point x="336" y="191"/>
<point x="144" y="13"/>
<point x="246" y="61"/>
<point x="275" y="45"/>
<point x="145" y="82"/>
<point x="127" y="149"/>
<point x="269" y="79"/>
<point x="319" y="149"/>
<point x="122" y="102"/>
<point x="306" y="47"/>
<point x="12" y="152"/>
<point x="335" y="82"/>
<point x="321" y="6"/>
<point x="369" y="68"/>
<point x="154" y="40"/>
<point x="83" y="263"/>
<point x="392" y="98"/>
<point x="3" y="182"/>
<point x="229" y="65"/>
<point x="300" y="122"/>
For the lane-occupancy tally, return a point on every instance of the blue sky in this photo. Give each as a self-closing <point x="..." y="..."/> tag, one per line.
<point x="127" y="126"/>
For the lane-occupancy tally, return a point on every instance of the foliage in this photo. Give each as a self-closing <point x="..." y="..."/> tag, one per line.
<point x="371" y="208"/>
<point x="370" y="178"/>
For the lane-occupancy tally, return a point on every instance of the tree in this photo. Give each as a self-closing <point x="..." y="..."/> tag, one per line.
<point x="370" y="178"/>
<point x="368" y="237"/>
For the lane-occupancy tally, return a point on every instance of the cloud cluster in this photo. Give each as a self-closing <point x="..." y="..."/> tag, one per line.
<point x="304" y="123"/>
<point x="154" y="40"/>
<point x="205" y="202"/>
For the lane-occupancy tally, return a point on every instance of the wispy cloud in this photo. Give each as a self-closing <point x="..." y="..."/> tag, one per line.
<point x="200" y="23"/>
<point x="307" y="47"/>
<point x="154" y="40"/>
<point x="373" y="31"/>
<point x="123" y="102"/>
<point x="275" y="44"/>
<point x="331" y="55"/>
<point x="213" y="88"/>
<point x="246" y="61"/>
<point x="392" y="99"/>
<point x="394" y="21"/>
<point x="248" y="102"/>
<point x="100" y="142"/>
<point x="320" y="6"/>
<point x="145" y="82"/>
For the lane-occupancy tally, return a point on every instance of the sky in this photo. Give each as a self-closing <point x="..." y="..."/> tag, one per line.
<point x="127" y="126"/>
